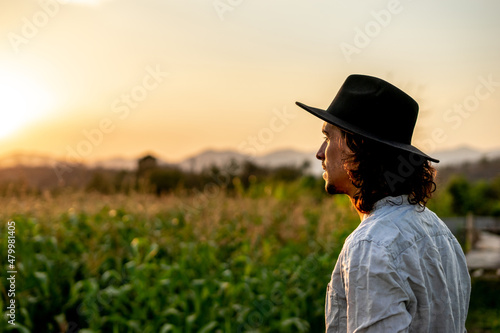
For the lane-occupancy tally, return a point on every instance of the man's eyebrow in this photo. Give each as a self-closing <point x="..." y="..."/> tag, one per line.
<point x="324" y="132"/>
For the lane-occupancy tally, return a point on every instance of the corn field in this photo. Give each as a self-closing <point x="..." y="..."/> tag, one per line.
<point x="141" y="263"/>
<point x="214" y="261"/>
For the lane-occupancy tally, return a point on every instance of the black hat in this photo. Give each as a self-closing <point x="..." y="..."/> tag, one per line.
<point x="375" y="109"/>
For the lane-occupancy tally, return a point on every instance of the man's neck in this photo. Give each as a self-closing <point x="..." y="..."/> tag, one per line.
<point x="360" y="213"/>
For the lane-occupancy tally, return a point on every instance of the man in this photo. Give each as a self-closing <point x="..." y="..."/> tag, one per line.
<point x="401" y="270"/>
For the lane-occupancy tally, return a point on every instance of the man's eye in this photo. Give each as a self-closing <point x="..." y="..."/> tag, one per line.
<point x="325" y="138"/>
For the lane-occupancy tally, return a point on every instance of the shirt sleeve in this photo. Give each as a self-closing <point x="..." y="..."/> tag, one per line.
<point x="375" y="293"/>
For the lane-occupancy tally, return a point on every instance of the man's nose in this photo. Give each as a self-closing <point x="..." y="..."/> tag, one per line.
<point x="320" y="155"/>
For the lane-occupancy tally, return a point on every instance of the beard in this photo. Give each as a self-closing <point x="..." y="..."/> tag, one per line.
<point x="334" y="186"/>
<point x="332" y="189"/>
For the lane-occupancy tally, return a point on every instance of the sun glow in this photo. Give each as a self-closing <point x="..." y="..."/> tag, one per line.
<point x="85" y="2"/>
<point x="22" y="101"/>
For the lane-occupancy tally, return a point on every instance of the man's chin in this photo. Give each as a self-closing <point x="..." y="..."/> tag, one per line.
<point x="331" y="189"/>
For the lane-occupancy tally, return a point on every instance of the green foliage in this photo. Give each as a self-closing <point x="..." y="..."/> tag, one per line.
<point x="166" y="180"/>
<point x="484" y="313"/>
<point x="480" y="197"/>
<point x="247" y="254"/>
<point x="231" y="265"/>
<point x="235" y="178"/>
<point x="460" y="191"/>
<point x="99" y="182"/>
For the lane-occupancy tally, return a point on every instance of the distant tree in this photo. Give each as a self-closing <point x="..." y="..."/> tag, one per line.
<point x="483" y="161"/>
<point x="287" y="173"/>
<point x="251" y="172"/>
<point x="145" y="165"/>
<point x="220" y="176"/>
<point x="495" y="186"/>
<point x="480" y="197"/>
<point x="484" y="198"/>
<point x="460" y="191"/>
<point x="101" y="183"/>
<point x="124" y="182"/>
<point x="306" y="165"/>
<point x="166" y="179"/>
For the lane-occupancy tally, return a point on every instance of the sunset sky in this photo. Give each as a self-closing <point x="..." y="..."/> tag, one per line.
<point x="108" y="78"/>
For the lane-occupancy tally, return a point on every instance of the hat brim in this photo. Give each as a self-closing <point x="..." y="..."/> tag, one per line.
<point x="329" y="118"/>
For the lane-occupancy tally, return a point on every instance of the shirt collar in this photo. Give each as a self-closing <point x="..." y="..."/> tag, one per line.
<point x="398" y="200"/>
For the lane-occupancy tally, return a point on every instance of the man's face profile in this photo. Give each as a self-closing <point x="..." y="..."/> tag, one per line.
<point x="332" y="154"/>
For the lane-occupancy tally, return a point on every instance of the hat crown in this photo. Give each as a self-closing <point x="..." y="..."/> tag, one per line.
<point x="372" y="105"/>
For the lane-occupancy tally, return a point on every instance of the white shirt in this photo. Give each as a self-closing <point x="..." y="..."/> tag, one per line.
<point x="401" y="270"/>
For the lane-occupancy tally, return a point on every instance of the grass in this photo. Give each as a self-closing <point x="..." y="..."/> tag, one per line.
<point x="484" y="313"/>
<point x="254" y="261"/>
<point x="139" y="263"/>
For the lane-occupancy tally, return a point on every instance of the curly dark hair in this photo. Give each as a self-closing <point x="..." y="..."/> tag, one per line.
<point x="378" y="170"/>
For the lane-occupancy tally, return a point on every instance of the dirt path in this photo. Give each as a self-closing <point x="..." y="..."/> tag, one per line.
<point x="486" y="253"/>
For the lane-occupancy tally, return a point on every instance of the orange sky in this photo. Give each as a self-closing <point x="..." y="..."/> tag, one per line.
<point x="106" y="78"/>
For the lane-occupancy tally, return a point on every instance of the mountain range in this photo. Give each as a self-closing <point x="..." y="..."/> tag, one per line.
<point x="222" y="158"/>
